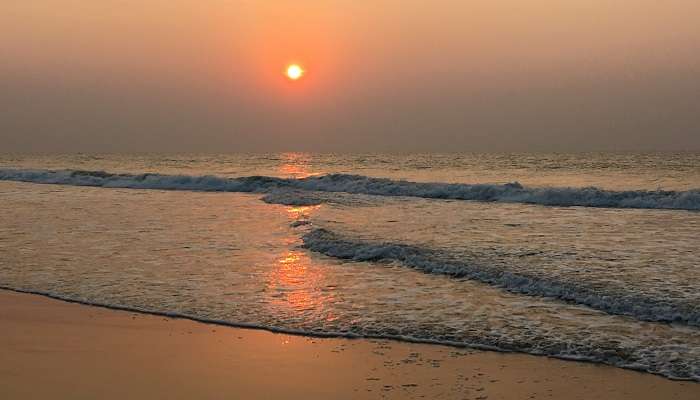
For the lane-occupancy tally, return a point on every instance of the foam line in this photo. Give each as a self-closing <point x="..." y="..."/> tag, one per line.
<point x="437" y="262"/>
<point x="357" y="184"/>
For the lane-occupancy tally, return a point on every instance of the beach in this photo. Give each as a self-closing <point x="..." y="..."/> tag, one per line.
<point x="350" y="200"/>
<point x="286" y="276"/>
<point x="66" y="350"/>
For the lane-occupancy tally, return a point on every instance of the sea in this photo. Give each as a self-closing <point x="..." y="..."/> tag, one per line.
<point x="590" y="256"/>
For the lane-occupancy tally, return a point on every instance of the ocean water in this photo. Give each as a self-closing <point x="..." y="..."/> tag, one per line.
<point x="578" y="256"/>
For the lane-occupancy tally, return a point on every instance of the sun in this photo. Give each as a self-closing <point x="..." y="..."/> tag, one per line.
<point x="294" y="72"/>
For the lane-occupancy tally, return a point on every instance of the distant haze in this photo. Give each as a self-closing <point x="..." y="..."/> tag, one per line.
<point x="381" y="75"/>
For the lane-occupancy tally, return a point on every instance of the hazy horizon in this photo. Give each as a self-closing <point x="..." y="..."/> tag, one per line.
<point x="390" y="76"/>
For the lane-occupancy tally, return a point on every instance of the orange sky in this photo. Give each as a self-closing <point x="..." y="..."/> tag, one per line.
<point x="384" y="75"/>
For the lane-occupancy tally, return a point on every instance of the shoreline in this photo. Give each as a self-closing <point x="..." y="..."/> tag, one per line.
<point x="66" y="349"/>
<point x="319" y="335"/>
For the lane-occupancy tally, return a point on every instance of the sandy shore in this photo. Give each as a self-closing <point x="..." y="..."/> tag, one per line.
<point x="59" y="350"/>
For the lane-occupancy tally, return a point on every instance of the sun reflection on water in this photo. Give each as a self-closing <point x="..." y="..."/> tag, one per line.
<point x="297" y="213"/>
<point x="296" y="165"/>
<point x="297" y="285"/>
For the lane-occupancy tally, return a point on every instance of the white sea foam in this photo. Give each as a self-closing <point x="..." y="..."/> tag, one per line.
<point x="510" y="192"/>
<point x="439" y="262"/>
<point x="357" y="184"/>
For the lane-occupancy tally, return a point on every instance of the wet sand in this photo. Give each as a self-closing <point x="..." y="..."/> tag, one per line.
<point x="54" y="349"/>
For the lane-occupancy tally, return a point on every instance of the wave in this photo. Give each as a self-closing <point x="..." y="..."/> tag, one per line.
<point x="436" y="262"/>
<point x="206" y="183"/>
<point x="358" y="184"/>
<point x="508" y="193"/>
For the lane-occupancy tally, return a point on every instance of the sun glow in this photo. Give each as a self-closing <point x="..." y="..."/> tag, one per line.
<point x="294" y="72"/>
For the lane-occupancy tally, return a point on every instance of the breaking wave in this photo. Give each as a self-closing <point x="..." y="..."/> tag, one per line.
<point x="357" y="184"/>
<point x="432" y="261"/>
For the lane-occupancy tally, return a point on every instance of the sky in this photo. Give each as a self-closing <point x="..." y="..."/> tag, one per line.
<point x="380" y="75"/>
